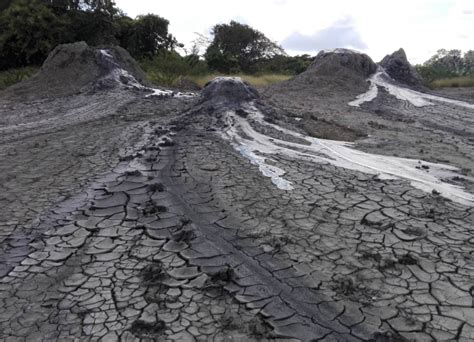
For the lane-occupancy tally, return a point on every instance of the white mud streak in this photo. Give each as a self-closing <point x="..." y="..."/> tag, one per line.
<point x="118" y="74"/>
<point x="416" y="98"/>
<point x="257" y="147"/>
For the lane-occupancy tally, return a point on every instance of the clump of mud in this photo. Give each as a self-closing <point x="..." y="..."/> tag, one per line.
<point x="77" y="67"/>
<point x="229" y="92"/>
<point x="397" y="67"/>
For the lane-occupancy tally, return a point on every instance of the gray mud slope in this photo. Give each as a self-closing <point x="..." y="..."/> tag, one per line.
<point x="439" y="133"/>
<point x="341" y="72"/>
<point x="130" y="218"/>
<point x="318" y="95"/>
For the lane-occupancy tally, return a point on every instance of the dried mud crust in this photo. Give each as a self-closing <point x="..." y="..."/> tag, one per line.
<point x="116" y="263"/>
<point x="171" y="245"/>
<point x="380" y="258"/>
<point x="128" y="222"/>
<point x="51" y="149"/>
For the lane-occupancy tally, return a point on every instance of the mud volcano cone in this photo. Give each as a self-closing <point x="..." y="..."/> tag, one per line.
<point x="397" y="67"/>
<point x="332" y="72"/>
<point x="77" y="67"/>
<point x="229" y="92"/>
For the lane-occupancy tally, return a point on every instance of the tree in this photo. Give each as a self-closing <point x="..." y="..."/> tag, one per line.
<point x="146" y="35"/>
<point x="4" y="4"/>
<point x="447" y="61"/>
<point x="447" y="64"/>
<point x="469" y="62"/>
<point x="236" y="46"/>
<point x="104" y="6"/>
<point x="29" y="31"/>
<point x="93" y="27"/>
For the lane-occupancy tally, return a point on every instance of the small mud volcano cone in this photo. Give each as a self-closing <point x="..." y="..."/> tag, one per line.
<point x="229" y="92"/>
<point x="397" y="67"/>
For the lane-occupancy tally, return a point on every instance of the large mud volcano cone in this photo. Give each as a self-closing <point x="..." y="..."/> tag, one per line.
<point x="74" y="68"/>
<point x="228" y="92"/>
<point x="397" y="67"/>
<point x="333" y="72"/>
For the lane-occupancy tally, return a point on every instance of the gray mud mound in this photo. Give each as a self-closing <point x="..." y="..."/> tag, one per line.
<point x="397" y="67"/>
<point x="317" y="95"/>
<point x="339" y="70"/>
<point x="228" y="91"/>
<point x="342" y="63"/>
<point x="77" y="67"/>
<point x="219" y="96"/>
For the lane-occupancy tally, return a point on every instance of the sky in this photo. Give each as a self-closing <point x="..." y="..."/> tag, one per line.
<point x="375" y="27"/>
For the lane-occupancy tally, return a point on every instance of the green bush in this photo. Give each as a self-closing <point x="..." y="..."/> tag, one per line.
<point x="12" y="76"/>
<point x="286" y="65"/>
<point x="167" y="67"/>
<point x="448" y="68"/>
<point x="29" y="30"/>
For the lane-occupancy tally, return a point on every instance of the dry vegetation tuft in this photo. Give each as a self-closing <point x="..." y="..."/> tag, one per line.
<point x="454" y="82"/>
<point x="257" y="81"/>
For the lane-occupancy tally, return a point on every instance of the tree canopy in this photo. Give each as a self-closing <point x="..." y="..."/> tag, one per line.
<point x="146" y="35"/>
<point x="30" y="29"/>
<point x="446" y="64"/>
<point x="237" y="47"/>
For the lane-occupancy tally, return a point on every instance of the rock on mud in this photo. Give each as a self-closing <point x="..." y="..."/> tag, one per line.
<point x="229" y="92"/>
<point x="77" y="67"/>
<point x="397" y="67"/>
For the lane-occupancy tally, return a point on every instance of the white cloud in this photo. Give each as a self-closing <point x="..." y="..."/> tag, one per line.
<point x="421" y="27"/>
<point x="341" y="33"/>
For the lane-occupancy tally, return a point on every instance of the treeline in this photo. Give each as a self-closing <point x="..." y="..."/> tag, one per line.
<point x="30" y="29"/>
<point x="448" y="64"/>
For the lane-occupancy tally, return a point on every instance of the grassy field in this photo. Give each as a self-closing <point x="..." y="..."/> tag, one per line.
<point x="12" y="76"/>
<point x="257" y="81"/>
<point x="454" y="82"/>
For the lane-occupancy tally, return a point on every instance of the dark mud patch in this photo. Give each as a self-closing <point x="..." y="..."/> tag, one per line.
<point x="143" y="329"/>
<point x="326" y="129"/>
<point x="153" y="273"/>
<point x="387" y="336"/>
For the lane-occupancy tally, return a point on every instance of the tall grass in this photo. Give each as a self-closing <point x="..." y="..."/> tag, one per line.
<point x="257" y="81"/>
<point x="12" y="76"/>
<point x="170" y="69"/>
<point x="453" y="82"/>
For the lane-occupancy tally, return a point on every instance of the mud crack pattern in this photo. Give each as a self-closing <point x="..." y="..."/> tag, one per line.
<point x="180" y="238"/>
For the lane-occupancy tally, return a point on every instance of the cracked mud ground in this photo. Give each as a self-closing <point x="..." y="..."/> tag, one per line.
<point x="127" y="218"/>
